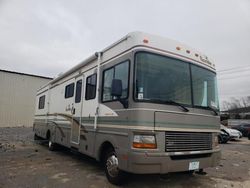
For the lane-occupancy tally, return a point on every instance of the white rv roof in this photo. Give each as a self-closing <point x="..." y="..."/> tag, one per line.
<point x="142" y="39"/>
<point x="170" y="46"/>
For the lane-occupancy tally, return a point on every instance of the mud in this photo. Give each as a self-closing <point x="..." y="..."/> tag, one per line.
<point x="25" y="163"/>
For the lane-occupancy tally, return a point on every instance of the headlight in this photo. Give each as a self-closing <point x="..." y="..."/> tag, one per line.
<point x="215" y="140"/>
<point x="144" y="142"/>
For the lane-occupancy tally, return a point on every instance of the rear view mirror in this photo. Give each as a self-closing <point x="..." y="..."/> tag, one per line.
<point x="116" y="88"/>
<point x="116" y="91"/>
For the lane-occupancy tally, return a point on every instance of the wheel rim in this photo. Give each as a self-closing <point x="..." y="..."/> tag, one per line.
<point x="50" y="144"/>
<point x="112" y="166"/>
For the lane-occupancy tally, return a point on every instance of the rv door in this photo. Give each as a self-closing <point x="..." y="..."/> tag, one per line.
<point x="76" y="111"/>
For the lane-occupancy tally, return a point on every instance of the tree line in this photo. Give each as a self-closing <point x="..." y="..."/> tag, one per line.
<point x="236" y="103"/>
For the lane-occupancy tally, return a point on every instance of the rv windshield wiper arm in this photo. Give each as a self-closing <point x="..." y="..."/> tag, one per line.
<point x="212" y="109"/>
<point x="168" y="102"/>
<point x="176" y="103"/>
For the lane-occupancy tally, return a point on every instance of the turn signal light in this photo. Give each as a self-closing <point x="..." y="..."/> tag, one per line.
<point x="144" y="145"/>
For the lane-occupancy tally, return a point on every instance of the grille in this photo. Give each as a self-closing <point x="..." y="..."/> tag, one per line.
<point x="188" y="141"/>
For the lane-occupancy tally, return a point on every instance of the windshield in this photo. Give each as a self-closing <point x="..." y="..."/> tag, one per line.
<point x="163" y="79"/>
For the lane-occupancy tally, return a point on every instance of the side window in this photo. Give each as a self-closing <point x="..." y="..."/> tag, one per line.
<point x="90" y="87"/>
<point x="69" y="90"/>
<point x="78" y="91"/>
<point x="41" y="102"/>
<point x="120" y="71"/>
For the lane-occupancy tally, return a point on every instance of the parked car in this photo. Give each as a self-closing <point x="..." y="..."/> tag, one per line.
<point x="233" y="133"/>
<point x="244" y="128"/>
<point x="223" y="137"/>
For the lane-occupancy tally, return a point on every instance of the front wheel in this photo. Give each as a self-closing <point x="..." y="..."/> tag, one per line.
<point x="219" y="139"/>
<point x="113" y="173"/>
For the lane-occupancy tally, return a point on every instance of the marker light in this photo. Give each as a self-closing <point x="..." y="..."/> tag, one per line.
<point x="145" y="41"/>
<point x="178" y="48"/>
<point x="144" y="142"/>
<point x="188" y="51"/>
<point x="197" y="55"/>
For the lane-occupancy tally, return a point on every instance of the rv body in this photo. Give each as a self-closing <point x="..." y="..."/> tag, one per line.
<point x="153" y="125"/>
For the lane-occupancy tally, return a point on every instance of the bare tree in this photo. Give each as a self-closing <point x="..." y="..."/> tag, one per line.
<point x="244" y="101"/>
<point x="225" y="105"/>
<point x="235" y="103"/>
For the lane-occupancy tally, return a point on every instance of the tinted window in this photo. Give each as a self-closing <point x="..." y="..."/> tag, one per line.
<point x="41" y="102"/>
<point x="90" y="87"/>
<point x="78" y="91"/>
<point x="204" y="87"/>
<point x="121" y="72"/>
<point x="162" y="79"/>
<point x="69" y="90"/>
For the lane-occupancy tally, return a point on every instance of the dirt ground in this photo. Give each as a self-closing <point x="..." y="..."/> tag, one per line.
<point x="24" y="163"/>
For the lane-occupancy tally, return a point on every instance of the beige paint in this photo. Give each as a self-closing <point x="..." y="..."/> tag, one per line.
<point x="17" y="98"/>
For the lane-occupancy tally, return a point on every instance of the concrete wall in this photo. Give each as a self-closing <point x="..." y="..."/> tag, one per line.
<point x="17" y="98"/>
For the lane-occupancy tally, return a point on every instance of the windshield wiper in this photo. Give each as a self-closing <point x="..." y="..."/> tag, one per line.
<point x="167" y="102"/>
<point x="176" y="103"/>
<point x="213" y="109"/>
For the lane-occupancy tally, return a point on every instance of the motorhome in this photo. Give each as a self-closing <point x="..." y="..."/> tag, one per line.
<point x="144" y="105"/>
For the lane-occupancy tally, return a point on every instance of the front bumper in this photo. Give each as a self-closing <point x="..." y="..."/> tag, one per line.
<point x="234" y="137"/>
<point x="161" y="163"/>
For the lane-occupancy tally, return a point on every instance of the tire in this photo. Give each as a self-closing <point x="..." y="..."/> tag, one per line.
<point x="248" y="136"/>
<point x="36" y="137"/>
<point x="244" y="133"/>
<point x="219" y="139"/>
<point x="113" y="173"/>
<point x="189" y="172"/>
<point x="51" y="145"/>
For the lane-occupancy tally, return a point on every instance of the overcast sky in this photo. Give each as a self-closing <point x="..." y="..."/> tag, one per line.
<point x="47" y="37"/>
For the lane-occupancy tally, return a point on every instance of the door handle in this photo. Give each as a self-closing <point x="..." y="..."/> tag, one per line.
<point x="73" y="111"/>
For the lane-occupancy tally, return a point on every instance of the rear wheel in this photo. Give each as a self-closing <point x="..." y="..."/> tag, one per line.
<point x="113" y="173"/>
<point x="51" y="145"/>
<point x="36" y="137"/>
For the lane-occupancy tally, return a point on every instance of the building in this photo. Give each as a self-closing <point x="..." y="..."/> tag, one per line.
<point x="17" y="97"/>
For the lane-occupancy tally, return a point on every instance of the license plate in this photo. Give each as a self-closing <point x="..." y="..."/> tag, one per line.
<point x="194" y="165"/>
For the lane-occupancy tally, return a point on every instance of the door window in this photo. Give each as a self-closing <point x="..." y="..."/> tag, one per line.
<point x="78" y="91"/>
<point x="91" y="87"/>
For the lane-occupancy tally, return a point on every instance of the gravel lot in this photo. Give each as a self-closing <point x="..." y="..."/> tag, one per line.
<point x="24" y="163"/>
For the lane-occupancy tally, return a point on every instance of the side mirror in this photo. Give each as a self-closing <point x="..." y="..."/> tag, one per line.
<point x="116" y="88"/>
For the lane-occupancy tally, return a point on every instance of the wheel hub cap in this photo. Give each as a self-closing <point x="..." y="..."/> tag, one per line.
<point x="112" y="165"/>
<point x="50" y="143"/>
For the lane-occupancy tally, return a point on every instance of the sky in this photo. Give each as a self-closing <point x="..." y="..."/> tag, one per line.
<point x="46" y="37"/>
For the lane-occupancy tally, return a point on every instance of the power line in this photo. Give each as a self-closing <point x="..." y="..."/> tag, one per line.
<point x="234" y="68"/>
<point x="236" y="92"/>
<point x="233" y="77"/>
<point x="233" y="72"/>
